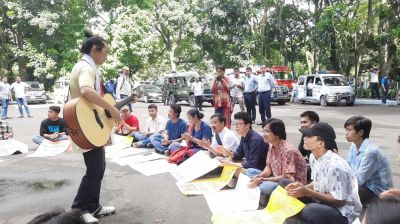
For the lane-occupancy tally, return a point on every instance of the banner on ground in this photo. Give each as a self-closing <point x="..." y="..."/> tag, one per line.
<point x="242" y="198"/>
<point x="121" y="140"/>
<point x="11" y="146"/>
<point x="279" y="208"/>
<point x="49" y="148"/>
<point x="208" y="185"/>
<point x="194" y="167"/>
<point x="153" y="167"/>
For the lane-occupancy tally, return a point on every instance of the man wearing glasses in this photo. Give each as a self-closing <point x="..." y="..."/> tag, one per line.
<point x="252" y="150"/>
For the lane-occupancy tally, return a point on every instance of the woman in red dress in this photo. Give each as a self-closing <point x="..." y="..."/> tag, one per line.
<point x="222" y="99"/>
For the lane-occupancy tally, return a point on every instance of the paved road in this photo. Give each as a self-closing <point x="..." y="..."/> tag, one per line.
<point x="29" y="186"/>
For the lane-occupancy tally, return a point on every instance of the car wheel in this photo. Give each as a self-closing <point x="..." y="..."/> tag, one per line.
<point x="192" y="101"/>
<point x="350" y="103"/>
<point x="212" y="102"/>
<point x="171" y="99"/>
<point x="322" y="101"/>
<point x="281" y="102"/>
<point x="43" y="102"/>
<point x="302" y="101"/>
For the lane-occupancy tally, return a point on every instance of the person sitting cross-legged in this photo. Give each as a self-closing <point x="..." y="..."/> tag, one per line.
<point x="284" y="160"/>
<point x="198" y="132"/>
<point x="171" y="138"/>
<point x="223" y="137"/>
<point x="252" y="150"/>
<point x="129" y="125"/>
<point x="52" y="128"/>
<point x="332" y="196"/>
<point x="155" y="124"/>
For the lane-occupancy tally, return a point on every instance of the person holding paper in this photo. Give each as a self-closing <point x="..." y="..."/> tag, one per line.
<point x="252" y="150"/>
<point x="332" y="196"/>
<point x="52" y="128"/>
<point x="6" y="131"/>
<point x="223" y="137"/>
<point x="170" y="139"/>
<point x="284" y="160"/>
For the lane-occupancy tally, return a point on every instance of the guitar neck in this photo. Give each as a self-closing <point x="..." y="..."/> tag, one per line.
<point x="124" y="101"/>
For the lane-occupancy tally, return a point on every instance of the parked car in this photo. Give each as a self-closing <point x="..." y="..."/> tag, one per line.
<point x="325" y="89"/>
<point x="149" y="93"/>
<point x="177" y="87"/>
<point x="36" y="93"/>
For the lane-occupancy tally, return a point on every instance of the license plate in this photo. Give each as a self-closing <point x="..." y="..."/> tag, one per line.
<point x="343" y="100"/>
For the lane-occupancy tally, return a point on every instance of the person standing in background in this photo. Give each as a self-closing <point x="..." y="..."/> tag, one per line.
<point x="265" y="86"/>
<point x="124" y="86"/>
<point x="198" y="89"/>
<point x="237" y="88"/>
<point x="20" y="96"/>
<point x="250" y="94"/>
<point x="222" y="99"/>
<point x="374" y="83"/>
<point x="5" y="96"/>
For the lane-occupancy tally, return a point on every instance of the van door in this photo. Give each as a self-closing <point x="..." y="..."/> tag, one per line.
<point x="317" y="88"/>
<point x="309" y="86"/>
<point x="301" y="90"/>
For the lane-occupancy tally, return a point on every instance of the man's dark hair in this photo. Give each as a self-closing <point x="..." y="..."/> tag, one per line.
<point x="55" y="109"/>
<point x="90" y="41"/>
<point x="221" y="67"/>
<point x="152" y="106"/>
<point x="312" y="115"/>
<point x="277" y="127"/>
<point x="236" y="69"/>
<point x="221" y="117"/>
<point x="243" y="116"/>
<point x="383" y="211"/>
<point x="248" y="69"/>
<point x="177" y="109"/>
<point x="360" y="123"/>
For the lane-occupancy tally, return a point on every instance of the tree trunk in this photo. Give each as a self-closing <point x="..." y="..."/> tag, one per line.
<point x="171" y="53"/>
<point x="22" y="60"/>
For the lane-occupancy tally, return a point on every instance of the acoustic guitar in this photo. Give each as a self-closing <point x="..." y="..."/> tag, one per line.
<point x="89" y="125"/>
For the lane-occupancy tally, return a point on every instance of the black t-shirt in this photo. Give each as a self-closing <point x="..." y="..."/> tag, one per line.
<point x="49" y="127"/>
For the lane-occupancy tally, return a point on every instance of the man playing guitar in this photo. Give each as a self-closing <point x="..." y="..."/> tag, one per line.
<point x="85" y="82"/>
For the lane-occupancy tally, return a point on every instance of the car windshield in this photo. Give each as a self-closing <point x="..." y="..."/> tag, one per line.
<point x="151" y="88"/>
<point x="335" y="81"/>
<point x="283" y="75"/>
<point x="34" y="85"/>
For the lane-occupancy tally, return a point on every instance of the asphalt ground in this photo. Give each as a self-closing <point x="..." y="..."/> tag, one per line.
<point x="30" y="186"/>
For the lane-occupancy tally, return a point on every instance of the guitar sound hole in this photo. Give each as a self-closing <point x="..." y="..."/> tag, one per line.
<point x="107" y="113"/>
<point x="98" y="120"/>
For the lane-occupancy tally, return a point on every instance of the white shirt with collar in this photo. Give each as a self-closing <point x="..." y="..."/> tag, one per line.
<point x="156" y="125"/>
<point x="197" y="88"/>
<point x="124" y="86"/>
<point x="228" y="139"/>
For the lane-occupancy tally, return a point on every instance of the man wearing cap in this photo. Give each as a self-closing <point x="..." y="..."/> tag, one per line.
<point x="332" y="196"/>
<point x="370" y="164"/>
<point x="129" y="125"/>
<point x="124" y="86"/>
<point x="53" y="128"/>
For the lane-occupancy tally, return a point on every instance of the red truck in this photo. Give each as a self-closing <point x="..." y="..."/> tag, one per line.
<point x="283" y="76"/>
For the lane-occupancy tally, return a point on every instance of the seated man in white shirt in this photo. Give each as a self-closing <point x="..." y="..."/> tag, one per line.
<point x="223" y="138"/>
<point x="155" y="124"/>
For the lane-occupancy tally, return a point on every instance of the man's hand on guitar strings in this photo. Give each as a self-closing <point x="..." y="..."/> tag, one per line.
<point x="116" y="115"/>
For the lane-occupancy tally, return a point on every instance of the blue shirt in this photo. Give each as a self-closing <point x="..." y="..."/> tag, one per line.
<point x="203" y="132"/>
<point x="175" y="130"/>
<point x="265" y="82"/>
<point x="250" y="84"/>
<point x="371" y="166"/>
<point x="253" y="149"/>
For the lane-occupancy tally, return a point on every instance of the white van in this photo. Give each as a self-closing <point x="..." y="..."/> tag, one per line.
<point x="325" y="89"/>
<point x="61" y="88"/>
